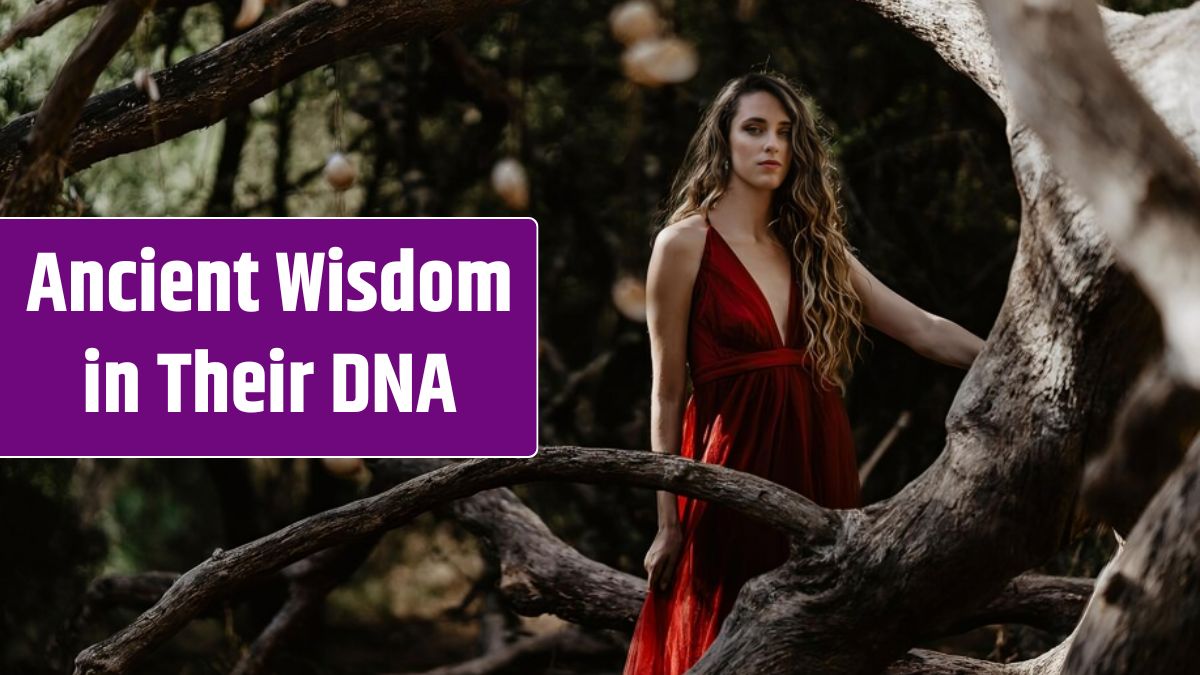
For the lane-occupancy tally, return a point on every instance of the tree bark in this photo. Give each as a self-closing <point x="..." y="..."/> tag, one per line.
<point x="225" y="571"/>
<point x="47" y="13"/>
<point x="201" y="90"/>
<point x="1147" y="614"/>
<point x="34" y="176"/>
<point x="1143" y="185"/>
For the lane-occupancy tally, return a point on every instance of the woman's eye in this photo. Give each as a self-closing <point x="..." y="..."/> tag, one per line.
<point x="753" y="130"/>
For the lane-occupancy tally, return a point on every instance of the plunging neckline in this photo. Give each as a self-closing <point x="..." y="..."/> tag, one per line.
<point x="780" y="333"/>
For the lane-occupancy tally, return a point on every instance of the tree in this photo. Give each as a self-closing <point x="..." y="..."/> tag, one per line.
<point x="1107" y="260"/>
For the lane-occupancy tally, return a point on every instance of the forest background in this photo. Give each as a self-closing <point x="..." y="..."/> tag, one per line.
<point x="930" y="202"/>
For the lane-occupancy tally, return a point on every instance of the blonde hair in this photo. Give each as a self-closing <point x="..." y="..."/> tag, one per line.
<point x="807" y="218"/>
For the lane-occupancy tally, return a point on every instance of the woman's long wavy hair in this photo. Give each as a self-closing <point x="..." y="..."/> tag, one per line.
<point x="807" y="218"/>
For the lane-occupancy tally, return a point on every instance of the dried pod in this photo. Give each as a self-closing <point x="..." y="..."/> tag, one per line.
<point x="660" y="61"/>
<point x="472" y="116"/>
<point x="629" y="297"/>
<point x="339" y="3"/>
<point x="633" y="21"/>
<point x="249" y="14"/>
<point x="343" y="467"/>
<point x="144" y="81"/>
<point x="339" y="172"/>
<point x="651" y="166"/>
<point x="509" y="181"/>
<point x="746" y="9"/>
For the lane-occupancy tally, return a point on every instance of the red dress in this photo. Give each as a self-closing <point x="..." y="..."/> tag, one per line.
<point x="755" y="407"/>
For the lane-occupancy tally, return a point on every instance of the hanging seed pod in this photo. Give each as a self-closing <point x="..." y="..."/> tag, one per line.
<point x="660" y="61"/>
<point x="144" y="81"/>
<point x="339" y="172"/>
<point x="629" y="297"/>
<point x="339" y="3"/>
<point x="343" y="467"/>
<point x="746" y="9"/>
<point x="471" y="116"/>
<point x="633" y="21"/>
<point x="510" y="182"/>
<point x="634" y="62"/>
<point x="249" y="14"/>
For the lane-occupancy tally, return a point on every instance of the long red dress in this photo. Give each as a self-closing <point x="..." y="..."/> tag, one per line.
<point x="755" y="407"/>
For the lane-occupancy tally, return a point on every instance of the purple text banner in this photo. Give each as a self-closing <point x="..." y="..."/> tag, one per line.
<point x="270" y="337"/>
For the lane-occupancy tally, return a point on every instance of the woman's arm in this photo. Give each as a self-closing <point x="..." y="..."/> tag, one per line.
<point x="927" y="334"/>
<point x="669" y="281"/>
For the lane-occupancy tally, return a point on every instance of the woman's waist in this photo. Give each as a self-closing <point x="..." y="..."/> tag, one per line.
<point x="712" y="368"/>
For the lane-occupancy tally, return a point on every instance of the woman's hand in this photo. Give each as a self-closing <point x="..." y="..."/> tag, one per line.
<point x="663" y="556"/>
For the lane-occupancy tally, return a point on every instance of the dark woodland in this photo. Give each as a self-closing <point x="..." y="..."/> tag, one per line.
<point x="1027" y="168"/>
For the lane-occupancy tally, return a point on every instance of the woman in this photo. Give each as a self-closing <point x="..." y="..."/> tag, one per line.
<point x="754" y="289"/>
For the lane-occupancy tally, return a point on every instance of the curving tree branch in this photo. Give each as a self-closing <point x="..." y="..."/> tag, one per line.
<point x="309" y="581"/>
<point x="955" y="28"/>
<point x="48" y="13"/>
<point x="1143" y="184"/>
<point x="42" y="18"/>
<point x="226" y="570"/>
<point x="202" y="90"/>
<point x="1047" y="602"/>
<point x="32" y="185"/>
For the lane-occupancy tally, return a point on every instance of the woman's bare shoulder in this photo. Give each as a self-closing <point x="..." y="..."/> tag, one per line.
<point x="683" y="239"/>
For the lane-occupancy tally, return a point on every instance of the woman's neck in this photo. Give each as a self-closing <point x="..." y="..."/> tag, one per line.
<point x="743" y="211"/>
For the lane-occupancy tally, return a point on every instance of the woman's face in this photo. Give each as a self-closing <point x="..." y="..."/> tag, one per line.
<point x="760" y="141"/>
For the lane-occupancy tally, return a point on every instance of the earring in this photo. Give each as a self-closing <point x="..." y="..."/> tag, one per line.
<point x="726" y="165"/>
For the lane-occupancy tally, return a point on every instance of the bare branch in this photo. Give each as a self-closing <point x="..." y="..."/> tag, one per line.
<point x="201" y="90"/>
<point x="570" y="641"/>
<point x="956" y="29"/>
<point x="42" y="18"/>
<point x="33" y="184"/>
<point x="539" y="572"/>
<point x="226" y="570"/>
<point x="1046" y="602"/>
<point x="48" y="13"/>
<point x="135" y="590"/>
<point x="925" y="662"/>
<point x="884" y="445"/>
<point x="1149" y="440"/>
<point x="309" y="581"/>
<point x="1142" y="182"/>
